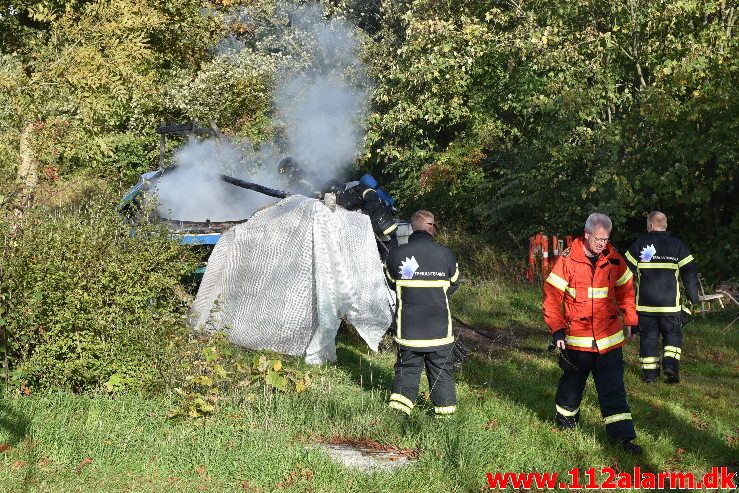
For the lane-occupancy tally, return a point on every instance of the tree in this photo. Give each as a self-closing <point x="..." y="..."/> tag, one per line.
<point x="80" y="72"/>
<point x="551" y="111"/>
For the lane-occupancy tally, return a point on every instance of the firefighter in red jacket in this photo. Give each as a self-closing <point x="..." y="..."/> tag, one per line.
<point x="587" y="293"/>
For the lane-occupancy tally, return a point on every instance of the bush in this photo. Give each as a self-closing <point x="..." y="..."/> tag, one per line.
<point x="84" y="301"/>
<point x="211" y="367"/>
<point x="481" y="260"/>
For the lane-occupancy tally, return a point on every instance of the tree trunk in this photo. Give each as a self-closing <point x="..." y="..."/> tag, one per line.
<point x="27" y="170"/>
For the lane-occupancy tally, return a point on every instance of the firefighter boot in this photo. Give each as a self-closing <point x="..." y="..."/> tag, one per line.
<point x="672" y="374"/>
<point x="651" y="376"/>
<point x="630" y="447"/>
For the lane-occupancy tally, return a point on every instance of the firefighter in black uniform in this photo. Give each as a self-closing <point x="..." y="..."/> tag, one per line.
<point x="352" y="196"/>
<point x="424" y="276"/>
<point x="659" y="260"/>
<point x="357" y="196"/>
<point x="299" y="180"/>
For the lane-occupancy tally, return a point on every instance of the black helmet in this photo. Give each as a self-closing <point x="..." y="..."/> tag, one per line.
<point x="334" y="186"/>
<point x="288" y="166"/>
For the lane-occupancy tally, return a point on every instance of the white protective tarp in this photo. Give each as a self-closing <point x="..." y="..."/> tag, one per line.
<point x="284" y="279"/>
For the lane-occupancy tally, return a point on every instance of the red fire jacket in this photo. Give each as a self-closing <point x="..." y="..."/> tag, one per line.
<point x="595" y="298"/>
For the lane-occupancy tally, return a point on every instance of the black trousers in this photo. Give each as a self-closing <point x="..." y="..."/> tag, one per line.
<point x="384" y="246"/>
<point x="608" y="374"/>
<point x="408" y="369"/>
<point x="650" y="329"/>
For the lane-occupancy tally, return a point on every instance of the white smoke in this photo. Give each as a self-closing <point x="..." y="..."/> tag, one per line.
<point x="193" y="190"/>
<point x="322" y="104"/>
<point x="320" y="97"/>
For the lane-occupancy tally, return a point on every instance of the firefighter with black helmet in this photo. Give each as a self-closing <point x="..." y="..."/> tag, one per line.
<point x="352" y="196"/>
<point x="586" y="295"/>
<point x="298" y="180"/>
<point x="659" y="261"/>
<point x="424" y="275"/>
<point x="357" y="196"/>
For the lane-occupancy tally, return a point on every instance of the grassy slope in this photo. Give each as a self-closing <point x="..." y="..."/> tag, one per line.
<point x="503" y="423"/>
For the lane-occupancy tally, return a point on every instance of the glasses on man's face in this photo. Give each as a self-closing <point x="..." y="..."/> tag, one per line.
<point x="432" y="224"/>
<point x="601" y="241"/>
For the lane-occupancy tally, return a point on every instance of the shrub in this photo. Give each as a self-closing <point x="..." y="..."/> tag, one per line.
<point x="482" y="260"/>
<point x="211" y="368"/>
<point x="83" y="300"/>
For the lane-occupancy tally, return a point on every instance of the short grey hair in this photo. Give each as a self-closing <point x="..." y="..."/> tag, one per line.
<point x="598" y="219"/>
<point x="658" y="220"/>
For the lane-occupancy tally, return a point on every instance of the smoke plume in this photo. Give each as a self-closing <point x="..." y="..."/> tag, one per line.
<point x="321" y="94"/>
<point x="322" y="104"/>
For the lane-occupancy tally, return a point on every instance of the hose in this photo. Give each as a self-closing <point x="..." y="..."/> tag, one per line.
<point x="254" y="186"/>
<point x="495" y="339"/>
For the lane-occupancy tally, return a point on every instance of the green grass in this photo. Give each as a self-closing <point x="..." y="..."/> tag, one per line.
<point x="260" y="441"/>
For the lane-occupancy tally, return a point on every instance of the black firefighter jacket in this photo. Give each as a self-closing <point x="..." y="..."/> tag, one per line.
<point x="659" y="260"/>
<point x="424" y="276"/>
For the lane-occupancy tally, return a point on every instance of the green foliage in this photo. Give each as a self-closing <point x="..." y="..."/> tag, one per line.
<point x="84" y="300"/>
<point x="479" y="259"/>
<point x="127" y="156"/>
<point x="531" y="115"/>
<point x="422" y="132"/>
<point x="86" y="72"/>
<point x="233" y="89"/>
<point x="507" y="117"/>
<point x="213" y="367"/>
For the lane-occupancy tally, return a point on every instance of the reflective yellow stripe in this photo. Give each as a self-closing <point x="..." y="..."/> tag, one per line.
<point x="445" y="409"/>
<point x="649" y="366"/>
<point x="390" y="229"/>
<point x="649" y="359"/>
<point x="399" y="298"/>
<point x="598" y="292"/>
<point x="399" y="406"/>
<point x="367" y="191"/>
<point x="402" y="399"/>
<point x="412" y="283"/>
<point x="565" y="412"/>
<point x="556" y="281"/>
<point x="422" y="342"/>
<point x="657" y="265"/>
<point x="592" y="292"/>
<point x="658" y="309"/>
<point x="672" y="352"/>
<point x="579" y="341"/>
<point x="684" y="261"/>
<point x="624" y="278"/>
<point x="677" y="288"/>
<point x="686" y="310"/>
<point x="389" y="277"/>
<point x="617" y="417"/>
<point x="609" y="341"/>
<point x="630" y="258"/>
<point x="425" y="342"/>
<point x="448" y="315"/>
<point x="456" y="274"/>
